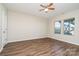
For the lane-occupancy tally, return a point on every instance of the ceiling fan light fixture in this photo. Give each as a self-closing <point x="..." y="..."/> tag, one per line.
<point x="46" y="9"/>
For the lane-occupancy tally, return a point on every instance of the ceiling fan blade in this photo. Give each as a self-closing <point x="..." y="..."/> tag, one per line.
<point x="51" y="8"/>
<point x="43" y="6"/>
<point x="41" y="9"/>
<point x="50" y="4"/>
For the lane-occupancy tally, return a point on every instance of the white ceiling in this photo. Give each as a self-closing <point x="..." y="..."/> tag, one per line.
<point x="33" y="8"/>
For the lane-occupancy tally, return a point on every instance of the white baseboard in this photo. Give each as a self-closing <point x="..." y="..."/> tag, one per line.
<point x="66" y="41"/>
<point x="25" y="39"/>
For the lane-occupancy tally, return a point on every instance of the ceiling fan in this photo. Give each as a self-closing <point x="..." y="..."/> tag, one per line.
<point x="47" y="8"/>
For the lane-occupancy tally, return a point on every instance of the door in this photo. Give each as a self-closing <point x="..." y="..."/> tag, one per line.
<point x="0" y="29"/>
<point x="4" y="26"/>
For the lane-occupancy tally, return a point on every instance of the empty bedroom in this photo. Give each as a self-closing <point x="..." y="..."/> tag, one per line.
<point x="39" y="29"/>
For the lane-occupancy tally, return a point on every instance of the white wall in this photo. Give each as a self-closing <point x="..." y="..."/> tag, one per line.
<point x="24" y="26"/>
<point x="74" y="39"/>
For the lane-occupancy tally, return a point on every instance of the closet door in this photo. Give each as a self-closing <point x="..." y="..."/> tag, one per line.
<point x="4" y="26"/>
<point x="0" y="30"/>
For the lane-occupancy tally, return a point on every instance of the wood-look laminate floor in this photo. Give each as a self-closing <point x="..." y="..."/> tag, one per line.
<point x="40" y="47"/>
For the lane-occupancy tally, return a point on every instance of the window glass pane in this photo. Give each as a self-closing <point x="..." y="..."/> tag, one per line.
<point x="57" y="27"/>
